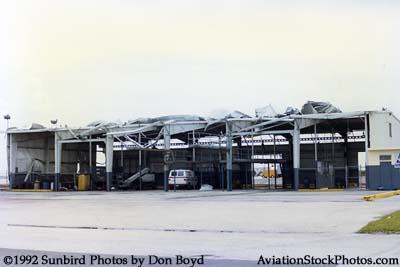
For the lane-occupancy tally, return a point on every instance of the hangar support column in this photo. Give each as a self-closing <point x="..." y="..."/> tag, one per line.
<point x="167" y="143"/>
<point x="229" y="156"/>
<point x="8" y="159"/>
<point x="57" y="161"/>
<point x="12" y="159"/>
<point x="140" y="161"/>
<point x="366" y="133"/>
<point x="296" y="155"/>
<point x="346" y="159"/>
<point x="92" y="163"/>
<point x="109" y="161"/>
<point x="47" y="156"/>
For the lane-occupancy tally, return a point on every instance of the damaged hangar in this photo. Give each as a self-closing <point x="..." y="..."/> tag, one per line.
<point x="317" y="147"/>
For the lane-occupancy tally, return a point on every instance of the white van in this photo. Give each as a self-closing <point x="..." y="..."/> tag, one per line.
<point x="182" y="178"/>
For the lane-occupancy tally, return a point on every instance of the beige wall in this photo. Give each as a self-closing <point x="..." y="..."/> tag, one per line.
<point x="373" y="156"/>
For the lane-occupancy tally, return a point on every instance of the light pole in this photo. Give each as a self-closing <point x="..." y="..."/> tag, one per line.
<point x="8" y="117"/>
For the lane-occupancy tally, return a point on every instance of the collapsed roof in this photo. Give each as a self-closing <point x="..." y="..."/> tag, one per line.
<point x="266" y="119"/>
<point x="312" y="107"/>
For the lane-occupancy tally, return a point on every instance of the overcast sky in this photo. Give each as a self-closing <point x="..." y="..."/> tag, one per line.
<point x="80" y="61"/>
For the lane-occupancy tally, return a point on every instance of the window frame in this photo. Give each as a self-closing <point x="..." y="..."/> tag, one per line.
<point x="385" y="158"/>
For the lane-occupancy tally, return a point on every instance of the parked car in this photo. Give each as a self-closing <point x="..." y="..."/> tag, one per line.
<point x="182" y="179"/>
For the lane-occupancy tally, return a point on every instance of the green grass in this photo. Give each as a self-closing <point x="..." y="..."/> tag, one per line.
<point x="389" y="224"/>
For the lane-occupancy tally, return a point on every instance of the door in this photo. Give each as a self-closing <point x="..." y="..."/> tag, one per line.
<point x="386" y="175"/>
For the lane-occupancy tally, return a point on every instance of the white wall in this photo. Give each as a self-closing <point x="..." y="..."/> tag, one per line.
<point x="379" y="131"/>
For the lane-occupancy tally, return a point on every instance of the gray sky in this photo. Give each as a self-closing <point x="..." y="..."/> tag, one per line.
<point x="80" y="61"/>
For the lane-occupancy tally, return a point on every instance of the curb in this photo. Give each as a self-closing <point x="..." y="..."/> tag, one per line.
<point x="31" y="190"/>
<point x="382" y="195"/>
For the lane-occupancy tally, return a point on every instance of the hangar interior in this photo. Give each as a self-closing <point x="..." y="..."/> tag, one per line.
<point x="317" y="147"/>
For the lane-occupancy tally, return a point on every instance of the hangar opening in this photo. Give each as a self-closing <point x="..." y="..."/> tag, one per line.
<point x="317" y="147"/>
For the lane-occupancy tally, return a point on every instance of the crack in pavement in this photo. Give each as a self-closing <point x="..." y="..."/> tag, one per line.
<point x="160" y="230"/>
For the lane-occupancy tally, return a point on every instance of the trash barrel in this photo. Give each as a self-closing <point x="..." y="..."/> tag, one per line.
<point x="36" y="185"/>
<point x="46" y="185"/>
<point x="83" y="182"/>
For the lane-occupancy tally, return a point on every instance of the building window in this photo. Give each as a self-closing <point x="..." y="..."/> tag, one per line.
<point x="385" y="158"/>
<point x="390" y="129"/>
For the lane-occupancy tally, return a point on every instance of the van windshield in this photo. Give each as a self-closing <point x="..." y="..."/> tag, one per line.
<point x="173" y="173"/>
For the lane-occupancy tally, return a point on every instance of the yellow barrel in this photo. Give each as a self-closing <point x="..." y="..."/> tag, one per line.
<point x="83" y="182"/>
